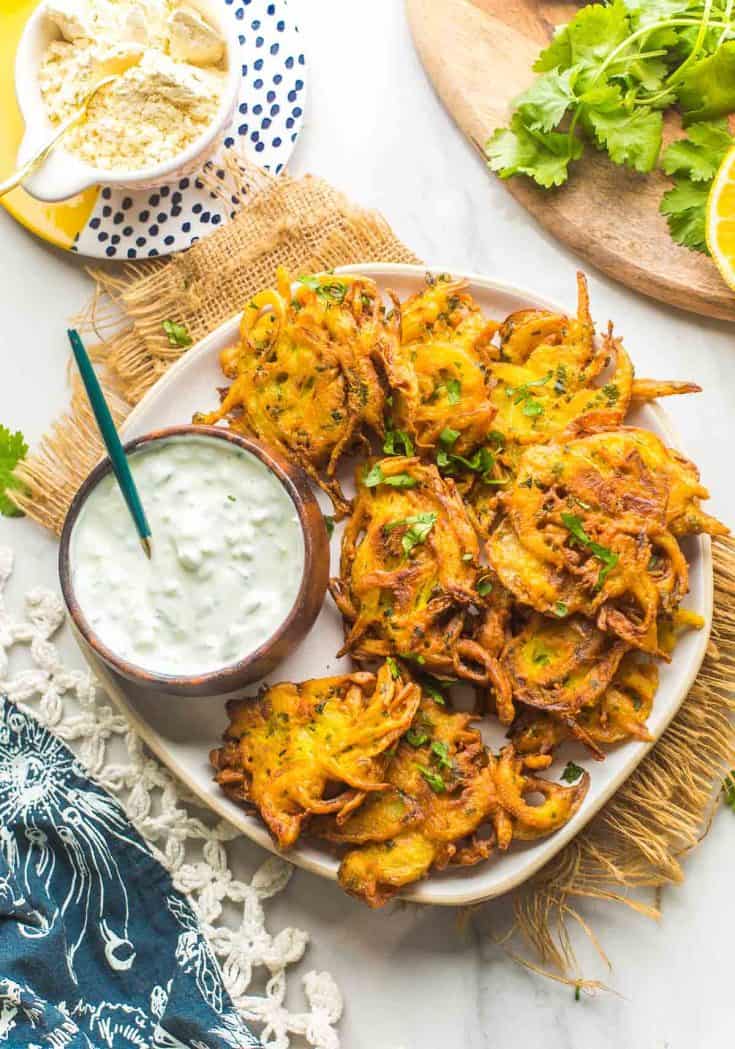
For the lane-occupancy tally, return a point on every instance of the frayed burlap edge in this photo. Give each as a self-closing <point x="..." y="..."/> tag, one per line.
<point x="639" y="839"/>
<point x="302" y="224"/>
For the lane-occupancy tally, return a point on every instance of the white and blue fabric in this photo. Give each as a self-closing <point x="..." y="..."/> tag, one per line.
<point x="97" y="948"/>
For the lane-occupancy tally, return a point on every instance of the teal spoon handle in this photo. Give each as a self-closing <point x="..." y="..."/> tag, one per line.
<point x="107" y="428"/>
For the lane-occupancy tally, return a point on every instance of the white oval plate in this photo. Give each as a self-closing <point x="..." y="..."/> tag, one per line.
<point x="181" y="732"/>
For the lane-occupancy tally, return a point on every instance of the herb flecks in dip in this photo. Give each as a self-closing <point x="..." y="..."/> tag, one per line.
<point x="228" y="558"/>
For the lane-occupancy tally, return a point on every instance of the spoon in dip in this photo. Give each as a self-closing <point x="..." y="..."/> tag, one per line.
<point x="109" y="71"/>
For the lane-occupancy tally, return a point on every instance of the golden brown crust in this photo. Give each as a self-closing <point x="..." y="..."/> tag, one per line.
<point x="285" y="747"/>
<point x="526" y="543"/>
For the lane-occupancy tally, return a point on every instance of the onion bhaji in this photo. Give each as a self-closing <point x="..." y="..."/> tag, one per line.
<point x="285" y="749"/>
<point x="445" y="787"/>
<point x="590" y="525"/>
<point x="517" y="535"/>
<point x="438" y="372"/>
<point x="304" y="377"/>
<point x="411" y="582"/>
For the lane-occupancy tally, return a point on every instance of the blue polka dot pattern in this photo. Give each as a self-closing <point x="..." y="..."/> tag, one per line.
<point x="128" y="224"/>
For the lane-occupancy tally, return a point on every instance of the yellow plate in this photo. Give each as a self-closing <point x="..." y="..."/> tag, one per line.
<point x="59" y="224"/>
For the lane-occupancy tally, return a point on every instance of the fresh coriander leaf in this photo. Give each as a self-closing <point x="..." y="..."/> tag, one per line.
<point x="707" y="87"/>
<point x="394" y="438"/>
<point x="572" y="772"/>
<point x="546" y="101"/>
<point x="448" y="436"/>
<point x="177" y="334"/>
<point x="440" y="751"/>
<point x="633" y="139"/>
<point x="560" y="609"/>
<point x="13" y="448"/>
<point x="454" y="391"/>
<point x="699" y="155"/>
<point x="393" y="667"/>
<point x="416" y="738"/>
<point x="484" y="587"/>
<point x="497" y="438"/>
<point x="434" y="780"/>
<point x="588" y="39"/>
<point x="647" y="11"/>
<point x="544" y="157"/>
<point x="685" y="208"/>
<point x="329" y="525"/>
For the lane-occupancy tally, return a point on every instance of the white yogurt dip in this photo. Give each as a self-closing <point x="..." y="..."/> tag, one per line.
<point x="227" y="565"/>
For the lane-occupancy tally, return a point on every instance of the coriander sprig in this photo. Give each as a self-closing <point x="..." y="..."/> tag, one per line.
<point x="605" y="80"/>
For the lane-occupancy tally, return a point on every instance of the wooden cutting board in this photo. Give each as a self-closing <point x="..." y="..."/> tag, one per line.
<point x="478" y="54"/>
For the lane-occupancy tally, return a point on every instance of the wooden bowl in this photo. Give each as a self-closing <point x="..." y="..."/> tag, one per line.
<point x="291" y="631"/>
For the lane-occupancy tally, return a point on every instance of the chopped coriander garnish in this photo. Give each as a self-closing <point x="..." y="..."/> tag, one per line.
<point x="454" y="391"/>
<point x="375" y="476"/>
<point x="393" y="667"/>
<point x="177" y="334"/>
<point x="448" y="436"/>
<point x="434" y="780"/>
<point x="560" y="609"/>
<point x="416" y="738"/>
<point x="431" y="688"/>
<point x="574" y="525"/>
<point x="394" y="438"/>
<point x="329" y="525"/>
<point x="532" y="407"/>
<point x="441" y="752"/>
<point x="232" y="498"/>
<point x="417" y="531"/>
<point x="328" y="291"/>
<point x="484" y="587"/>
<point x="572" y="772"/>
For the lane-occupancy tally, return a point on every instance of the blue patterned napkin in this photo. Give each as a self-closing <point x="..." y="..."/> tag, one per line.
<point x="97" y="949"/>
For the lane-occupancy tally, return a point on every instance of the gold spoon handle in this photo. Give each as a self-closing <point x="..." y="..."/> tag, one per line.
<point x="39" y="158"/>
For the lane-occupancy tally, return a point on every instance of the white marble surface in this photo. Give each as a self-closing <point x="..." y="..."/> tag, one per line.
<point x="412" y="978"/>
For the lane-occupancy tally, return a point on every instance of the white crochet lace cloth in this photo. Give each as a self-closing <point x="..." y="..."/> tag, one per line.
<point x="183" y="836"/>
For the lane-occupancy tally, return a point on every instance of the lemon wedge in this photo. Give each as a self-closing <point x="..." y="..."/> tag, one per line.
<point x="720" y="229"/>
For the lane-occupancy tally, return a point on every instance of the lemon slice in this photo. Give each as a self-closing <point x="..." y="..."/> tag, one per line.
<point x="720" y="230"/>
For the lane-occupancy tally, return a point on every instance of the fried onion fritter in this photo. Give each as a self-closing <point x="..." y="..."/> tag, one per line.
<point x="286" y="747"/>
<point x="304" y="372"/>
<point x="438" y="372"/>
<point x="445" y="786"/>
<point x="411" y="580"/>
<point x="571" y="680"/>
<point x="591" y="526"/>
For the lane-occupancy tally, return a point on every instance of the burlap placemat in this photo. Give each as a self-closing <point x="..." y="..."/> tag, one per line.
<point x="639" y="839"/>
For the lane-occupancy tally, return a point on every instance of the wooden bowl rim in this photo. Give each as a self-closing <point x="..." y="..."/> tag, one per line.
<point x="232" y="675"/>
